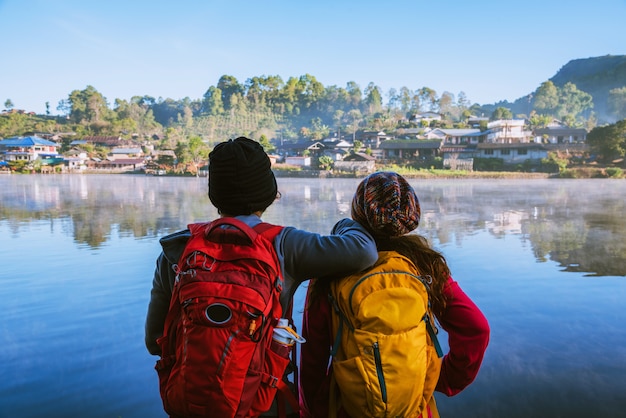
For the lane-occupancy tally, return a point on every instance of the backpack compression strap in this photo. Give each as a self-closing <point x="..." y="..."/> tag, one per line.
<point x="284" y="393"/>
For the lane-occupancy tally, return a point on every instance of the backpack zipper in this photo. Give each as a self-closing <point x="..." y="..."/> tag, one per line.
<point x="379" y="371"/>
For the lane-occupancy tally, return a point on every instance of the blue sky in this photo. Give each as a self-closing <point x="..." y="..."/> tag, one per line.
<point x="490" y="50"/>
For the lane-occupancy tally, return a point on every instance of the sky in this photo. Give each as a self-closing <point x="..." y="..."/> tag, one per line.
<point x="489" y="50"/>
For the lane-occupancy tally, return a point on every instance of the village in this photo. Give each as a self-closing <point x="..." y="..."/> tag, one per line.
<point x="508" y="142"/>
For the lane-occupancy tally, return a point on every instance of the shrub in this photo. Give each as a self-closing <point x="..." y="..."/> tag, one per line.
<point x="614" y="172"/>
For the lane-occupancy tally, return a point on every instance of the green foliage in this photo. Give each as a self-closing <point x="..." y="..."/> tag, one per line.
<point x="596" y="76"/>
<point x="553" y="163"/>
<point x="501" y="113"/>
<point x="608" y="141"/>
<point x="488" y="164"/>
<point x="266" y="144"/>
<point x="325" y="162"/>
<point x="615" y="172"/>
<point x="616" y="103"/>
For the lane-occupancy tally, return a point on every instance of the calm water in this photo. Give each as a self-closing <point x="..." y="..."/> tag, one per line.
<point x="544" y="259"/>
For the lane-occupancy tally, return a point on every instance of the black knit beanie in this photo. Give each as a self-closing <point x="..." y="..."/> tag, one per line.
<point x="240" y="177"/>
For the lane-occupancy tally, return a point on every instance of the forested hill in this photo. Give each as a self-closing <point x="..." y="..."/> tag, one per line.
<point x="596" y="76"/>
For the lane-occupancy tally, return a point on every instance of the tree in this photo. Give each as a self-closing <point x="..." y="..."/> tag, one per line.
<point x="546" y="98"/>
<point x="616" y="103"/>
<point x="266" y="144"/>
<point x="501" y="113"/>
<point x="572" y="102"/>
<point x="355" y="94"/>
<point x="229" y="86"/>
<point x="446" y="103"/>
<point x="373" y="99"/>
<point x="405" y="99"/>
<point x="213" y="104"/>
<point x="325" y="162"/>
<point x="88" y="106"/>
<point x="462" y="101"/>
<point x="355" y="117"/>
<point x="8" y="104"/>
<point x="608" y="141"/>
<point x="428" y="96"/>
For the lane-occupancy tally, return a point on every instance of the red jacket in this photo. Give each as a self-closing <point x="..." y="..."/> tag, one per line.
<point x="468" y="336"/>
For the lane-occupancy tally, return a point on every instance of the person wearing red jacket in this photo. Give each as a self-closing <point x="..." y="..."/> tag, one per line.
<point x="386" y="205"/>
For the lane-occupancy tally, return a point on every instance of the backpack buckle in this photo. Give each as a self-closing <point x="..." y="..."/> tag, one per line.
<point x="273" y="381"/>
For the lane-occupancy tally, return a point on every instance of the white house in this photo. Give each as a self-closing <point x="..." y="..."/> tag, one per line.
<point x="507" y="131"/>
<point x="298" y="161"/>
<point x="512" y="153"/>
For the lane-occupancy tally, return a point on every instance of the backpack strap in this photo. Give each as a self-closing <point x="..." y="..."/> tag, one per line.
<point x="285" y="395"/>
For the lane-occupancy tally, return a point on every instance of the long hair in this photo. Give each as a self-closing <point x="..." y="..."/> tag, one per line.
<point x="427" y="260"/>
<point x="416" y="248"/>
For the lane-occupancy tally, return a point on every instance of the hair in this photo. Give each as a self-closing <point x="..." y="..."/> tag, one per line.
<point x="429" y="262"/>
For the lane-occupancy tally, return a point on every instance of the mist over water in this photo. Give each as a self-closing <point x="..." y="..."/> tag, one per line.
<point x="544" y="259"/>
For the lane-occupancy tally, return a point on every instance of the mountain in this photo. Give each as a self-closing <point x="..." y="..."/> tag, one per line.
<point x="596" y="76"/>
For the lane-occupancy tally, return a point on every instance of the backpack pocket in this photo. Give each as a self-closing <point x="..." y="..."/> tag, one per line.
<point x="383" y="375"/>
<point x="276" y="362"/>
<point x="215" y="356"/>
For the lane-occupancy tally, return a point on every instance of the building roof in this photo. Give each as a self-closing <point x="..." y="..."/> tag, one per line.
<point x="560" y="130"/>
<point x="410" y="144"/>
<point x="518" y="145"/>
<point x="126" y="151"/>
<point x="26" y="141"/>
<point x="359" y="156"/>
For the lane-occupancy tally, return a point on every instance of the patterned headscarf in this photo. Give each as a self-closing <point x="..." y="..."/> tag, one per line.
<point x="386" y="205"/>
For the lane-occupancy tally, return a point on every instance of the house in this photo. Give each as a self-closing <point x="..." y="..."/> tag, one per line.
<point x="458" y="157"/>
<point x="337" y="149"/>
<point x="425" y="118"/>
<point x="507" y="131"/>
<point x="117" y="166"/>
<point x="512" y="153"/>
<point x="106" y="141"/>
<point x="28" y="148"/>
<point x="455" y="136"/>
<point x="126" y="152"/>
<point x="476" y="121"/>
<point x="373" y="139"/>
<point x="560" y="135"/>
<point x="358" y="162"/>
<point x="409" y="148"/>
<point x="298" y="161"/>
<point x="314" y="148"/>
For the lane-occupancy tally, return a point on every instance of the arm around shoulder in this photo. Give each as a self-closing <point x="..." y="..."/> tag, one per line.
<point x="349" y="248"/>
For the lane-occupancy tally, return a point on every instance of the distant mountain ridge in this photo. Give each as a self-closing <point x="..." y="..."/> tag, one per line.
<point x="596" y="76"/>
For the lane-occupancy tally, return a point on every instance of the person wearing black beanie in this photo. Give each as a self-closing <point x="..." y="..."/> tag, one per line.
<point x="241" y="180"/>
<point x="242" y="185"/>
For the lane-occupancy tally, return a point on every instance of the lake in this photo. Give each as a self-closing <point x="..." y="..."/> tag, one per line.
<point x="544" y="259"/>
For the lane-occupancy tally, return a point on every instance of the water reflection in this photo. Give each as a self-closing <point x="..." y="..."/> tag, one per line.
<point x="78" y="255"/>
<point x="577" y="223"/>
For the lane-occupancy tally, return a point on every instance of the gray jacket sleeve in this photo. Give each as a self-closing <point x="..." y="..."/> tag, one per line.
<point x="349" y="248"/>
<point x="162" y="284"/>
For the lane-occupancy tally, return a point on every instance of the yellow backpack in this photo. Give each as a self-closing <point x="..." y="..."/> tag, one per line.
<point x="386" y="357"/>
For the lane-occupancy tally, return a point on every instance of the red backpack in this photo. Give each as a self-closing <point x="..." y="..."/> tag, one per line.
<point x="217" y="357"/>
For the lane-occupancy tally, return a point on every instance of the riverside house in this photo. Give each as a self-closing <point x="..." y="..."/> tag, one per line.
<point x="27" y="148"/>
